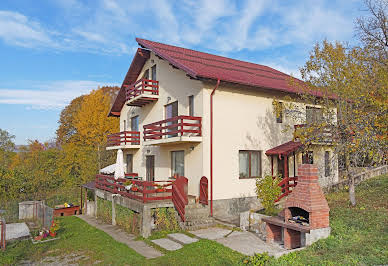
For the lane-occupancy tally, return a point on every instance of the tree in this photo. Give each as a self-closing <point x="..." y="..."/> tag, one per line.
<point x="7" y="147"/>
<point x="372" y="30"/>
<point x="351" y="92"/>
<point x="67" y="129"/>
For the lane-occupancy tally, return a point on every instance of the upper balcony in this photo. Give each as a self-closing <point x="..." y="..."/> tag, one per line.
<point x="178" y="129"/>
<point x="315" y="135"/>
<point x="142" y="92"/>
<point x="124" y="140"/>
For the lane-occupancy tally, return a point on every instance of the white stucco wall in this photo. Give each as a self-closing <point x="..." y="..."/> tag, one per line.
<point x="243" y="120"/>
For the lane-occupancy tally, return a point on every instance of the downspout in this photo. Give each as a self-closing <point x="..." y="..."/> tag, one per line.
<point x="211" y="147"/>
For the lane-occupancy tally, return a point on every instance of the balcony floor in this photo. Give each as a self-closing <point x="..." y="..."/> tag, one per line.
<point x="173" y="140"/>
<point x="123" y="147"/>
<point x="142" y="100"/>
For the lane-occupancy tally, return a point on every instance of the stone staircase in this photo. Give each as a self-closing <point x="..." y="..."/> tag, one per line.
<point x="197" y="216"/>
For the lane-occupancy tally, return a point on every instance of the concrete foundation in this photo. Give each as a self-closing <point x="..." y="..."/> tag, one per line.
<point x="144" y="209"/>
<point x="90" y="208"/>
<point x="230" y="209"/>
<point x="252" y="221"/>
<point x="308" y="238"/>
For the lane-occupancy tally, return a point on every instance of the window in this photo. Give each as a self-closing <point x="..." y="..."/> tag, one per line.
<point x="327" y="163"/>
<point x="125" y="125"/>
<point x="191" y="105"/>
<point x="172" y="111"/>
<point x="279" y="114"/>
<point x="146" y="74"/>
<point x="178" y="163"/>
<point x="313" y="115"/>
<point x="135" y="123"/>
<point x="129" y="161"/>
<point x="249" y="164"/>
<point x="308" y="157"/>
<point x="153" y="72"/>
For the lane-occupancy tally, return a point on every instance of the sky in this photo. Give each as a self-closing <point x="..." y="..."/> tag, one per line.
<point x="52" y="51"/>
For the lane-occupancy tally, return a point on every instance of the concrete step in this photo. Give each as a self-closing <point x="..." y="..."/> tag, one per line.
<point x="197" y="211"/>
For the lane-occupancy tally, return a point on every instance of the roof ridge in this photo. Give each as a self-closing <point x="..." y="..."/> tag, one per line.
<point x="270" y="69"/>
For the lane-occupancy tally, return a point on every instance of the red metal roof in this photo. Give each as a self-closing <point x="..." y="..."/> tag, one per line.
<point x="285" y="148"/>
<point x="203" y="65"/>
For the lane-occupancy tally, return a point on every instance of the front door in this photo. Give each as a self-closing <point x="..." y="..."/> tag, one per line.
<point x="150" y="168"/>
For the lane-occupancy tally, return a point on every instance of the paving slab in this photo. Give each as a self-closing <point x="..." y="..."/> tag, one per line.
<point x="16" y="231"/>
<point x="121" y="236"/>
<point x="167" y="244"/>
<point x="247" y="243"/>
<point x="212" y="233"/>
<point x="182" y="238"/>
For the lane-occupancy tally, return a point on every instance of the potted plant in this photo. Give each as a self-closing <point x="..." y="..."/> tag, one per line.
<point x="134" y="188"/>
<point x="160" y="188"/>
<point x="128" y="185"/>
<point x="53" y="229"/>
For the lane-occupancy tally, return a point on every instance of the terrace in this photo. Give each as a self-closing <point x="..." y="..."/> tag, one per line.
<point x="178" y="129"/>
<point x="142" y="92"/>
<point x="123" y="140"/>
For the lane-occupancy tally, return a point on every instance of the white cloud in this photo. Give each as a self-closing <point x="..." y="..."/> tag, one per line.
<point x="19" y="30"/>
<point x="49" y="95"/>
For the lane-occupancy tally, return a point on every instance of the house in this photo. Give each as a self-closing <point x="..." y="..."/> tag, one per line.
<point x="194" y="114"/>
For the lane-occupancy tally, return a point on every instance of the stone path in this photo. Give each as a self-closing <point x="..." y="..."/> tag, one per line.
<point x="174" y="241"/>
<point x="244" y="242"/>
<point x="121" y="236"/>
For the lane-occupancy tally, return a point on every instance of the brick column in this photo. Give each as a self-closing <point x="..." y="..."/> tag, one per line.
<point x="274" y="233"/>
<point x="291" y="238"/>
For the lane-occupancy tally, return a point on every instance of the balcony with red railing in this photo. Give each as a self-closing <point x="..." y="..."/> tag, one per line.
<point x="143" y="191"/>
<point x="287" y="184"/>
<point x="142" y="92"/>
<point x="123" y="140"/>
<point x="178" y="129"/>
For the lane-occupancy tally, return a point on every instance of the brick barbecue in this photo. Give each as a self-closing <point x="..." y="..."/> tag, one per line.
<point x="306" y="213"/>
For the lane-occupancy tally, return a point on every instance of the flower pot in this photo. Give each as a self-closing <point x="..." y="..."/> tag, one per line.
<point x="40" y="237"/>
<point x="134" y="189"/>
<point x="160" y="190"/>
<point x="53" y="234"/>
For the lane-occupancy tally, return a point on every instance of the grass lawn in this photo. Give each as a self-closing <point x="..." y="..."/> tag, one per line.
<point x="359" y="236"/>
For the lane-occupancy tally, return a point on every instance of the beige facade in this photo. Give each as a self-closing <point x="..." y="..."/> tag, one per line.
<point x="243" y="120"/>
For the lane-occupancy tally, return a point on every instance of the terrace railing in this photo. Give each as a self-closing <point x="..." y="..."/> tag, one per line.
<point x="140" y="87"/>
<point x="144" y="191"/>
<point x="176" y="126"/>
<point x="124" y="138"/>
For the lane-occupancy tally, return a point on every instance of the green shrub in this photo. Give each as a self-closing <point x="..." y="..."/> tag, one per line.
<point x="104" y="210"/>
<point x="127" y="219"/>
<point x="267" y="190"/>
<point x="258" y="259"/>
<point x="165" y="219"/>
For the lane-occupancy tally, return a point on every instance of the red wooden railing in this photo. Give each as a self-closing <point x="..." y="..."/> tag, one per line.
<point x="179" y="195"/>
<point x="176" y="126"/>
<point x="124" y="138"/>
<point x="142" y="86"/>
<point x="147" y="191"/>
<point x="286" y="184"/>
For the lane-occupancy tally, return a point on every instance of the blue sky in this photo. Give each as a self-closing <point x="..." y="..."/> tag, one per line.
<point x="55" y="50"/>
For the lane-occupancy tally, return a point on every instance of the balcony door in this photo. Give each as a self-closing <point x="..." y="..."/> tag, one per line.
<point x="153" y="77"/>
<point x="150" y="168"/>
<point x="172" y="111"/>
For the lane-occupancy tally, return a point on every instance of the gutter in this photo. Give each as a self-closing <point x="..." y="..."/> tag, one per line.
<point x="211" y="146"/>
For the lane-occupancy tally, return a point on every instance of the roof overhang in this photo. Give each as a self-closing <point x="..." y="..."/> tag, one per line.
<point x="141" y="56"/>
<point x="285" y="148"/>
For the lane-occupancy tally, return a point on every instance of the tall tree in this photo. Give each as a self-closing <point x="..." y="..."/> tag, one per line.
<point x="7" y="147"/>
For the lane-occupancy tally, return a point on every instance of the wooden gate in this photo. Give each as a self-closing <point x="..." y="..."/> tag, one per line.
<point x="203" y="190"/>
<point x="179" y="195"/>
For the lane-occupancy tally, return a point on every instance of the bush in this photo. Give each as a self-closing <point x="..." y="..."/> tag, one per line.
<point x="165" y="219"/>
<point x="258" y="259"/>
<point x="127" y="219"/>
<point x="267" y="190"/>
<point x="104" y="210"/>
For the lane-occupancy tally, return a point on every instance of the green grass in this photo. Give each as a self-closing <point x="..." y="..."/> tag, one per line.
<point x="78" y="237"/>
<point x="359" y="237"/>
